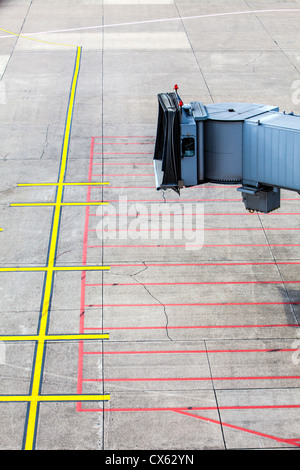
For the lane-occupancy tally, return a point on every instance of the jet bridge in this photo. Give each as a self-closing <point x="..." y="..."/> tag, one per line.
<point x="253" y="145"/>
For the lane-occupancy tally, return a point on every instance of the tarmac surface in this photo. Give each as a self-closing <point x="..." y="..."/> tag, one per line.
<point x="124" y="328"/>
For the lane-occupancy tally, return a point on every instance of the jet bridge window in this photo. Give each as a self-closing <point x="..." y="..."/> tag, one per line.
<point x="188" y="147"/>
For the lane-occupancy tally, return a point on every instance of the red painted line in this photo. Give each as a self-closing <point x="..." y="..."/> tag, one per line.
<point x="122" y="164"/>
<point x="172" y="214"/>
<point x="146" y="229"/>
<point x="194" y="327"/>
<point x="239" y="428"/>
<point x="248" y="213"/>
<point x="290" y="199"/>
<point x="128" y="174"/>
<point x="140" y="214"/>
<point x="179" y="201"/>
<point x="267" y="263"/>
<point x="249" y="263"/>
<point x="83" y="278"/>
<point x="123" y="143"/>
<point x="186" y="200"/>
<point x="122" y="153"/>
<point x="147" y="246"/>
<point x="196" y="304"/>
<point x="128" y="187"/>
<point x="193" y="200"/>
<point x="200" y="351"/>
<point x="125" y="137"/>
<point x="198" y="408"/>
<point x="190" y="229"/>
<point x="192" y="379"/>
<point x="190" y="283"/>
<point x="198" y="246"/>
<point x="85" y="237"/>
<point x="187" y="412"/>
<point x="91" y="164"/>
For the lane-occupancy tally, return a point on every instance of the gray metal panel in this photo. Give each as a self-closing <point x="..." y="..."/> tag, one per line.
<point x="199" y="111"/>
<point x="223" y="150"/>
<point x="236" y="111"/>
<point x="189" y="163"/>
<point x="158" y="173"/>
<point x="200" y="151"/>
<point x="262" y="201"/>
<point x="280" y="120"/>
<point x="271" y="151"/>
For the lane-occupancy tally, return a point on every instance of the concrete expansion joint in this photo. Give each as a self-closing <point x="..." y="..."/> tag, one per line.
<point x="153" y="297"/>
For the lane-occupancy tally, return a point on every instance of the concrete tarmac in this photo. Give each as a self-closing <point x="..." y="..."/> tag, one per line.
<point x="203" y="321"/>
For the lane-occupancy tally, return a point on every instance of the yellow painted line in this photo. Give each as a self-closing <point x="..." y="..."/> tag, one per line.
<point x="52" y="398"/>
<point x="36" y="40"/>
<point x="31" y="424"/>
<point x="55" y="268"/>
<point x="57" y="204"/>
<point x="81" y="268"/>
<point x="87" y="336"/>
<point x="64" y="184"/>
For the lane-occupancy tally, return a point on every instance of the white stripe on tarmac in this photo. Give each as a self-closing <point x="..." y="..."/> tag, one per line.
<point x="161" y="20"/>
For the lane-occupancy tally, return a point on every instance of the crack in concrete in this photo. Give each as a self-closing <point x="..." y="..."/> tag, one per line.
<point x="153" y="297"/>
<point x="252" y="62"/>
<point x="46" y="142"/>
